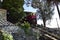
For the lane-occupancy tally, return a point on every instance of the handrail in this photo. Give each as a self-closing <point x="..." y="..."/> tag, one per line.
<point x="51" y="34"/>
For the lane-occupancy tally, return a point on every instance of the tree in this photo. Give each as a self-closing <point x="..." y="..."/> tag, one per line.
<point x="15" y="8"/>
<point x="56" y="2"/>
<point x="44" y="9"/>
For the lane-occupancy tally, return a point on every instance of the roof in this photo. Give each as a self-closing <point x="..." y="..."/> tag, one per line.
<point x="29" y="12"/>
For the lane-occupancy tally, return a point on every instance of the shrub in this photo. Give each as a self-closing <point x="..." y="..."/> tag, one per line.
<point x="26" y="27"/>
<point x="5" y="36"/>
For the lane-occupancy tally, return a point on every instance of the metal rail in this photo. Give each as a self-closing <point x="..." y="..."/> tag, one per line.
<point x="48" y="34"/>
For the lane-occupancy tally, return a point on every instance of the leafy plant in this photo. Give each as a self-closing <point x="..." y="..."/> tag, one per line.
<point x="15" y="9"/>
<point x="26" y="27"/>
<point x="5" y="36"/>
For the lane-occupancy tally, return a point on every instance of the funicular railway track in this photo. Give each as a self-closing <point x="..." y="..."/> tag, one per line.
<point x="49" y="35"/>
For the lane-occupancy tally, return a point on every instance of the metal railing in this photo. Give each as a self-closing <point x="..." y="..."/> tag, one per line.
<point x="48" y="34"/>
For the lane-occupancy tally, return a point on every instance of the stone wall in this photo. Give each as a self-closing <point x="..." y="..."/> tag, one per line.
<point x="17" y="32"/>
<point x="2" y="16"/>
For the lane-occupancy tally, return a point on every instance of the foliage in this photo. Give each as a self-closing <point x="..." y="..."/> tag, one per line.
<point x="6" y="36"/>
<point x="26" y="27"/>
<point x="45" y="11"/>
<point x="14" y="7"/>
<point x="56" y="3"/>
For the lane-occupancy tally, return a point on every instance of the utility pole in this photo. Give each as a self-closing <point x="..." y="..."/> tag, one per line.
<point x="57" y="23"/>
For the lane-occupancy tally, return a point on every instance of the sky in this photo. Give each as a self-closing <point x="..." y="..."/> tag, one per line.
<point x="53" y="23"/>
<point x="30" y="9"/>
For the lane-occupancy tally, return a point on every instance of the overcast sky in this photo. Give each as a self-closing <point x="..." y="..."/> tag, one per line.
<point x="53" y="23"/>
